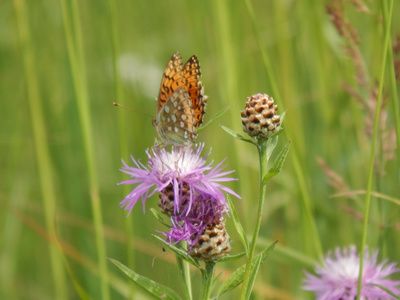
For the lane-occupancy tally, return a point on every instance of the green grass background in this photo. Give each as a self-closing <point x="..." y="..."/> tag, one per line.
<point x="62" y="65"/>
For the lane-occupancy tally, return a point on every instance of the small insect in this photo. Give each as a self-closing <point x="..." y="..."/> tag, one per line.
<point x="181" y="102"/>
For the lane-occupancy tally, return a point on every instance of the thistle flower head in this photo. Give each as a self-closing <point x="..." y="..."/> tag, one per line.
<point x="172" y="173"/>
<point x="203" y="228"/>
<point x="259" y="117"/>
<point x="337" y="278"/>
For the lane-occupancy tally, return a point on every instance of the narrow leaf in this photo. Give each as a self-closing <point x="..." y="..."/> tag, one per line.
<point x="236" y="277"/>
<point x="270" y="147"/>
<point x="253" y="274"/>
<point x="266" y="252"/>
<point x="238" y="225"/>
<point x="282" y="117"/>
<point x="215" y="117"/>
<point x="233" y="281"/>
<point x="238" y="136"/>
<point x="232" y="257"/>
<point x="159" y="217"/>
<point x="277" y="132"/>
<point x="388" y="291"/>
<point x="180" y="253"/>
<point x="153" y="288"/>
<point x="278" y="164"/>
<point x="216" y="279"/>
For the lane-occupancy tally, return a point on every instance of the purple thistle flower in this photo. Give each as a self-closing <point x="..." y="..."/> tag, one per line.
<point x="205" y="211"/>
<point x="181" y="166"/>
<point x="338" y="277"/>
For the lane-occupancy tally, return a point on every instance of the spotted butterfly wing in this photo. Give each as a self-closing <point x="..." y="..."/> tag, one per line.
<point x="191" y="71"/>
<point x="175" y="122"/>
<point x="173" y="78"/>
<point x="181" y="102"/>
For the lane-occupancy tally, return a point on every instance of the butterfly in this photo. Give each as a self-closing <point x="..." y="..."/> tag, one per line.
<point x="181" y="102"/>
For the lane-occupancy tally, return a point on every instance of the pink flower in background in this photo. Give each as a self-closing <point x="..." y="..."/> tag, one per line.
<point x="337" y="278"/>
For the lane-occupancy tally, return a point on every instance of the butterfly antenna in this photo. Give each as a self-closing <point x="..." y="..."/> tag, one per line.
<point x="131" y="109"/>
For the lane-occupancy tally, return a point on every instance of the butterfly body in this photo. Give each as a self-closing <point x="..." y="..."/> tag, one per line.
<point x="181" y="102"/>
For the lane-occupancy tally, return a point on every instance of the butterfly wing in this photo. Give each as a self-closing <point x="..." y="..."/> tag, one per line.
<point x="192" y="73"/>
<point x="175" y="122"/>
<point x="181" y="101"/>
<point x="173" y="78"/>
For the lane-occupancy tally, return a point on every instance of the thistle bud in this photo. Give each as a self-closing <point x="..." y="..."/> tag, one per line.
<point x="213" y="243"/>
<point x="259" y="117"/>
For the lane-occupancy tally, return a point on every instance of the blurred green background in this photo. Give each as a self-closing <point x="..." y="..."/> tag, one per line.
<point x="63" y="63"/>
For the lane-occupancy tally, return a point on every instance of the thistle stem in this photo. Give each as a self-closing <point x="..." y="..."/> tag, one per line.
<point x="263" y="159"/>
<point x="185" y="271"/>
<point x="208" y="276"/>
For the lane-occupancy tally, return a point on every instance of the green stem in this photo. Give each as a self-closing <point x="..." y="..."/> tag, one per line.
<point x="373" y="147"/>
<point x="208" y="276"/>
<point x="187" y="278"/>
<point x="263" y="160"/>
<point x="295" y="156"/>
<point x="185" y="272"/>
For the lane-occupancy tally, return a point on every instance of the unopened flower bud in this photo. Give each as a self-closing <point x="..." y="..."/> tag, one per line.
<point x="213" y="244"/>
<point x="259" y="117"/>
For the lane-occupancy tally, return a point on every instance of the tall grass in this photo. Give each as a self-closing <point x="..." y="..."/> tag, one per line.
<point x="63" y="64"/>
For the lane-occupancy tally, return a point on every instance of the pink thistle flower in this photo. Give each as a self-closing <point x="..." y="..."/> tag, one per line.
<point x="205" y="211"/>
<point x="338" y="277"/>
<point x="181" y="166"/>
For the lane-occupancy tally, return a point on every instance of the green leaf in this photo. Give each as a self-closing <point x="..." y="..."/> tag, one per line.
<point x="215" y="117"/>
<point x="159" y="217"/>
<point x="153" y="288"/>
<point x="236" y="277"/>
<point x="282" y="117"/>
<point x="387" y="291"/>
<point x="232" y="257"/>
<point x="180" y="253"/>
<point x="270" y="145"/>
<point x="238" y="225"/>
<point x="278" y="164"/>
<point x="216" y="279"/>
<point x="277" y="132"/>
<point x="266" y="252"/>
<point x="238" y="136"/>
<point x="253" y="274"/>
<point x="233" y="281"/>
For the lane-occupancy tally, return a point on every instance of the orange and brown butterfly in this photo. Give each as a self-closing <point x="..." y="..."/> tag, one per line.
<point x="181" y="102"/>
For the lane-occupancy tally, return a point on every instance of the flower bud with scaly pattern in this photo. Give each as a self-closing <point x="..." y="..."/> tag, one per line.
<point x="214" y="243"/>
<point x="259" y="118"/>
